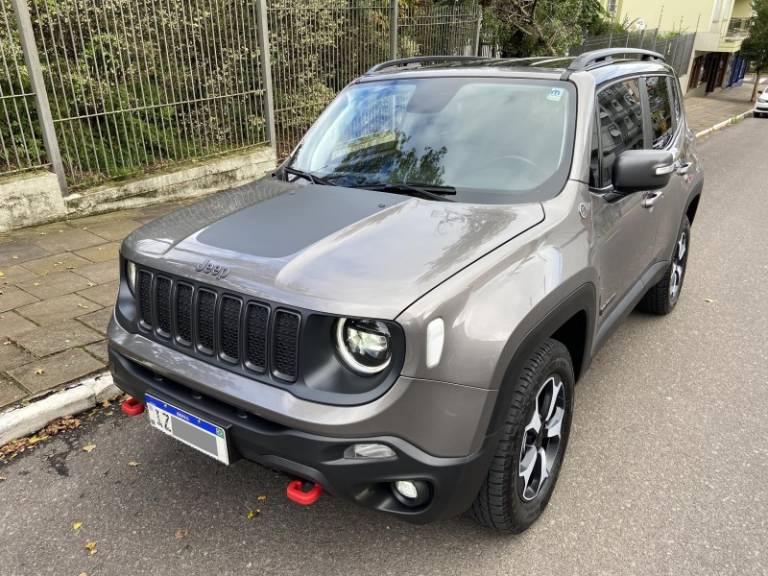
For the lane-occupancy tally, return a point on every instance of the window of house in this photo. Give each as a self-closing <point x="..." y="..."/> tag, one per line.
<point x="659" y="103"/>
<point x="621" y="123"/>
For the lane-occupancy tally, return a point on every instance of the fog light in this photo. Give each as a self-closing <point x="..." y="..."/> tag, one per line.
<point x="407" y="489"/>
<point x="412" y="493"/>
<point x="362" y="451"/>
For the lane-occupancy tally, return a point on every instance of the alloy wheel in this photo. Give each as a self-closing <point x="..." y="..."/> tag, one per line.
<point x="678" y="267"/>
<point x="542" y="438"/>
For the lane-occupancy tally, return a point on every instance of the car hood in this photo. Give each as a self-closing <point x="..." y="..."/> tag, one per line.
<point x="331" y="249"/>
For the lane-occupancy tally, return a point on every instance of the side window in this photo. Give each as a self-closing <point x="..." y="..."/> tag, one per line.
<point x="661" y="110"/>
<point x="621" y="123"/>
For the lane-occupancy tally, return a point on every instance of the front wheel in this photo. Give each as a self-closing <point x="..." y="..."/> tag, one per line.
<point x="530" y="453"/>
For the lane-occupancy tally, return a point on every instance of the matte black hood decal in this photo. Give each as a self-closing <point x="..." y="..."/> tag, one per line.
<point x="337" y="250"/>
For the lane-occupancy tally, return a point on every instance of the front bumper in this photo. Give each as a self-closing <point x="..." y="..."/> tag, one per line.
<point x="761" y="107"/>
<point x="454" y="481"/>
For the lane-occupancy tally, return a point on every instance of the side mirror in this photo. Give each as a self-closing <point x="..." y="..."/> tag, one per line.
<point x="636" y="170"/>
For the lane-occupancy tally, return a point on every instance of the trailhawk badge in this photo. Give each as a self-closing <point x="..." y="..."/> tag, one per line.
<point x="215" y="270"/>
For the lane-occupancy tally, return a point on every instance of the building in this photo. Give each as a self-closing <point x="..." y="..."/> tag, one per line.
<point x="720" y="26"/>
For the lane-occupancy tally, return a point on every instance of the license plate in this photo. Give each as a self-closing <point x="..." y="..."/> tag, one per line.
<point x="200" y="434"/>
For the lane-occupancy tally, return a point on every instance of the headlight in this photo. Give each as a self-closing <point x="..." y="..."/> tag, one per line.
<point x="130" y="275"/>
<point x="364" y="345"/>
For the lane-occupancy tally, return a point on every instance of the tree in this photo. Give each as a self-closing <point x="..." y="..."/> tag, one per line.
<point x="532" y="27"/>
<point x="755" y="48"/>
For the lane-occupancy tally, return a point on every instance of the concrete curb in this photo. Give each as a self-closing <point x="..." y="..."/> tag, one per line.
<point x="28" y="419"/>
<point x="724" y="124"/>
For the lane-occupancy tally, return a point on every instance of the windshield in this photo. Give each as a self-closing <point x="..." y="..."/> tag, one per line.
<point x="493" y="140"/>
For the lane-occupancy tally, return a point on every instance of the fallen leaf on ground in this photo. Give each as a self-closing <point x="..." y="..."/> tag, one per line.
<point x="2" y="478"/>
<point x="77" y="525"/>
<point x="91" y="547"/>
<point x="83" y="574"/>
<point x="133" y="463"/>
<point x="708" y="300"/>
<point x="40" y="371"/>
<point x="15" y="257"/>
<point x="37" y="438"/>
<point x="89" y="448"/>
<point x="2" y="274"/>
<point x="262" y="498"/>
<point x="251" y="514"/>
<point x="180" y="534"/>
<point x="79" y="305"/>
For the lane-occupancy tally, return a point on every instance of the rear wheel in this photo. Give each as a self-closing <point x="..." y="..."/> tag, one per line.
<point x="662" y="298"/>
<point x="530" y="453"/>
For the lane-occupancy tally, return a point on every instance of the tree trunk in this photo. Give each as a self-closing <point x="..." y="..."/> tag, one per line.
<point x="757" y="83"/>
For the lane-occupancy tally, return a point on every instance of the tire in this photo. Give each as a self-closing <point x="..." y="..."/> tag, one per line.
<point x="662" y="298"/>
<point x="506" y="501"/>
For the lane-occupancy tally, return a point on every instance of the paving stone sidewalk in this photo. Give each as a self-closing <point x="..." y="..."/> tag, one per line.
<point x="705" y="111"/>
<point x="57" y="289"/>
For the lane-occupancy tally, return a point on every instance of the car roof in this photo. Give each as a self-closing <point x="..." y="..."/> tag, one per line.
<point x="604" y="65"/>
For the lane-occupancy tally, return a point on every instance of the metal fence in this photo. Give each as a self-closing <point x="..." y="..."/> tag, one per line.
<point x="677" y="49"/>
<point x="127" y="86"/>
<point x="21" y="145"/>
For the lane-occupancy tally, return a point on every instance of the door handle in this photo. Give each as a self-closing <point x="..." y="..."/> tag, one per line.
<point x="651" y="198"/>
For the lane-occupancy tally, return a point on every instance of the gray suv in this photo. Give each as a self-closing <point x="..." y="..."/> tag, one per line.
<point x="399" y="313"/>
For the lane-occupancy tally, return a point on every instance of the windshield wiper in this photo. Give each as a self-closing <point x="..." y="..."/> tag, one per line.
<point x="307" y="176"/>
<point x="428" y="191"/>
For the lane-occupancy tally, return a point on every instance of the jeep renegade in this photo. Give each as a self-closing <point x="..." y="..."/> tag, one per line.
<point x="399" y="313"/>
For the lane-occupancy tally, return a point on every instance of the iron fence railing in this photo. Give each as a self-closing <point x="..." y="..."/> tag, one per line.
<point x="21" y="145"/>
<point x="317" y="48"/>
<point x="677" y="49"/>
<point x="137" y="84"/>
<point x="428" y="30"/>
<point x="119" y="87"/>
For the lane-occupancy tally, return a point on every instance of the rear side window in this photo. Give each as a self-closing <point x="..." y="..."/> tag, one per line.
<point x="660" y="105"/>
<point x="621" y="124"/>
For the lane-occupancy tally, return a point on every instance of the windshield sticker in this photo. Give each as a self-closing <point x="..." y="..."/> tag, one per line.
<point x="555" y="94"/>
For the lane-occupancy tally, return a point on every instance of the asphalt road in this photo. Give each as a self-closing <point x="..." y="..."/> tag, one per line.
<point x="667" y="471"/>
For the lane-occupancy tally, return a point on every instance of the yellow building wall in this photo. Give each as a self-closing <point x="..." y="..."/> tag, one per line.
<point x="682" y="15"/>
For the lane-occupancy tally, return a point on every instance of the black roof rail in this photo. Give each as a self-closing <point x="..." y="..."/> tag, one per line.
<point x="605" y="56"/>
<point x="402" y="62"/>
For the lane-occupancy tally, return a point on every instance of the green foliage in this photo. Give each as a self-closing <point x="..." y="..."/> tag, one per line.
<point x="542" y="27"/>
<point x="755" y="47"/>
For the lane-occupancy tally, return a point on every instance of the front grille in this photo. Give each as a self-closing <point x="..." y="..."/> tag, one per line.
<point x="206" y="315"/>
<point x="231" y="330"/>
<point x="286" y="344"/>
<point x="163" y="299"/>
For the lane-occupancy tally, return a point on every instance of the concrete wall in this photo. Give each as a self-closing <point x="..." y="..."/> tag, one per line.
<point x="30" y="198"/>
<point x="34" y="198"/>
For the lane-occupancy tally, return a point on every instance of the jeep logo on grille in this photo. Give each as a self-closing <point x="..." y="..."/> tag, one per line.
<point x="215" y="270"/>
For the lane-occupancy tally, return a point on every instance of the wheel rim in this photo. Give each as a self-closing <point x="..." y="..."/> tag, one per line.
<point x="678" y="267"/>
<point x="542" y="438"/>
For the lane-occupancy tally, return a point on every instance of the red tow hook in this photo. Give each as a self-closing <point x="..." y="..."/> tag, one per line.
<point x="132" y="407"/>
<point x="303" y="493"/>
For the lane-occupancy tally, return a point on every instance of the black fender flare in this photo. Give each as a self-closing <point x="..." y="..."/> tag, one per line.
<point x="546" y="317"/>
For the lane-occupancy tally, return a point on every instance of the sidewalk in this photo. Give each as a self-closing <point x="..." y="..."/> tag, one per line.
<point x="705" y="111"/>
<point x="57" y="289"/>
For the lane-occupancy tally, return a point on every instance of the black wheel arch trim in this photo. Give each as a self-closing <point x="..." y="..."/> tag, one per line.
<point x="552" y="313"/>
